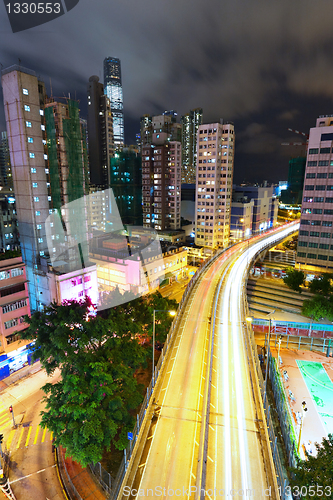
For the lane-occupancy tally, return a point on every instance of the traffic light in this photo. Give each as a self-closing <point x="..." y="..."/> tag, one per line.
<point x="10" y="409"/>
<point x="1" y="438"/>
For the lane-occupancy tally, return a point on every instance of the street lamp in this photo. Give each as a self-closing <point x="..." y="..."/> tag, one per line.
<point x="267" y="362"/>
<point x="172" y="313"/>
<point x="279" y="344"/>
<point x="304" y="409"/>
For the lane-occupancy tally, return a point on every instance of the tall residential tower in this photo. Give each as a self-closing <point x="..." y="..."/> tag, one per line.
<point x="100" y="133"/>
<point x="190" y="125"/>
<point x="315" y="242"/>
<point x="114" y="90"/>
<point x="215" y="165"/>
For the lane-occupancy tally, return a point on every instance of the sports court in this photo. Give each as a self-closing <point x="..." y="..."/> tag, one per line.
<point x="320" y="388"/>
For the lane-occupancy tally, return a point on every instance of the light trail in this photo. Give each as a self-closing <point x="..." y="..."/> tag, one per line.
<point x="235" y="449"/>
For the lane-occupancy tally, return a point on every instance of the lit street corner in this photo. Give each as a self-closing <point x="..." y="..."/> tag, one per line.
<point x="32" y="471"/>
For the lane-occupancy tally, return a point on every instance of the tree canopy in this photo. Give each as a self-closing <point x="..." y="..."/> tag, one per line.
<point x="322" y="284"/>
<point x="318" y="308"/>
<point x="315" y="473"/>
<point x="294" y="279"/>
<point x="90" y="406"/>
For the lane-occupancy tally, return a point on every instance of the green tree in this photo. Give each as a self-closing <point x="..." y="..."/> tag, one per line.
<point x="90" y="406"/>
<point x="294" y="279"/>
<point x="318" y="308"/>
<point x="315" y="474"/>
<point x="322" y="285"/>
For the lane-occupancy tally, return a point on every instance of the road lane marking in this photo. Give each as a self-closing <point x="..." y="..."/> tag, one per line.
<point x="8" y="424"/>
<point x="19" y="441"/>
<point x="33" y="473"/>
<point x="6" y="418"/>
<point x="43" y="436"/>
<point x="28" y="436"/>
<point x="51" y="436"/>
<point x="36" y="436"/>
<point x="10" y="439"/>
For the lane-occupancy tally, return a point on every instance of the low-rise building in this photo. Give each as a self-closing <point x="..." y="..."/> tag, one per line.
<point x="14" y="302"/>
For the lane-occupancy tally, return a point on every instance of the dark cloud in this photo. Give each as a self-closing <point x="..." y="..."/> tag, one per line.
<point x="266" y="66"/>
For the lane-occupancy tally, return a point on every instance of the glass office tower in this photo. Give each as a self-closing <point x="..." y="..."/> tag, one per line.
<point x="113" y="89"/>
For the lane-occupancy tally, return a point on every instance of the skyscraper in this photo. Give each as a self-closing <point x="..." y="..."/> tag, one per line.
<point x="215" y="165"/>
<point x="190" y="124"/>
<point x="126" y="183"/>
<point x="48" y="158"/>
<point x="6" y="178"/>
<point x="114" y="90"/>
<point x="161" y="183"/>
<point x="160" y="124"/>
<point x="315" y="243"/>
<point x="100" y="133"/>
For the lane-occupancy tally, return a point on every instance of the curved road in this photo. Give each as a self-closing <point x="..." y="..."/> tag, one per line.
<point x="235" y="462"/>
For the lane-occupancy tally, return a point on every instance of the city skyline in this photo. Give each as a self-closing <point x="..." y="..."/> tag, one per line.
<point x="266" y="70"/>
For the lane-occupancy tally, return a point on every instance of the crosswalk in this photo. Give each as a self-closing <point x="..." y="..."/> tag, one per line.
<point x="24" y="435"/>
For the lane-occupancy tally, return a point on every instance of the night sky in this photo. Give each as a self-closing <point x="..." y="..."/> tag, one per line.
<point x="265" y="65"/>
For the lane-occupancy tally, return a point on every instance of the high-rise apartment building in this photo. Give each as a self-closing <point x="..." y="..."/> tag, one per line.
<point x="190" y="123"/>
<point x="114" y="90"/>
<point x="160" y="124"/>
<point x="215" y="165"/>
<point x="49" y="169"/>
<point x="126" y="183"/>
<point x="6" y="179"/>
<point x="161" y="183"/>
<point x="293" y="194"/>
<point x="100" y="133"/>
<point x="315" y="242"/>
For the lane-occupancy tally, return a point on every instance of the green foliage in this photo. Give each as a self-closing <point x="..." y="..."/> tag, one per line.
<point x="316" y="472"/>
<point x="322" y="285"/>
<point x="294" y="279"/>
<point x="10" y="254"/>
<point x="318" y="308"/>
<point x="89" y="408"/>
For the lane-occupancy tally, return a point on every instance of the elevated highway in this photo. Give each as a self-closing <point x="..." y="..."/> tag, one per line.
<point x="204" y="432"/>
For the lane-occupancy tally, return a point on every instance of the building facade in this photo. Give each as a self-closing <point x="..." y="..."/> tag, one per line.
<point x="49" y="169"/>
<point x="159" y="125"/>
<point x="215" y="166"/>
<point x="114" y="91"/>
<point x="190" y="123"/>
<point x="241" y="219"/>
<point x="100" y="133"/>
<point x="294" y="192"/>
<point x="6" y="179"/>
<point x="14" y="301"/>
<point x="315" y="243"/>
<point x="126" y="183"/>
<point x="262" y="197"/>
<point x="161" y="183"/>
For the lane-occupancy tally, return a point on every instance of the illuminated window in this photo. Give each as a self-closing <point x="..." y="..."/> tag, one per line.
<point x="30" y="139"/>
<point x="25" y="91"/>
<point x="32" y="155"/>
<point x="26" y="107"/>
<point x="28" y="124"/>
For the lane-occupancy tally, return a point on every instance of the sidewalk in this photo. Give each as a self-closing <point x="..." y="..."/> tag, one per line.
<point x="77" y="481"/>
<point x="72" y="473"/>
<point x="16" y="376"/>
